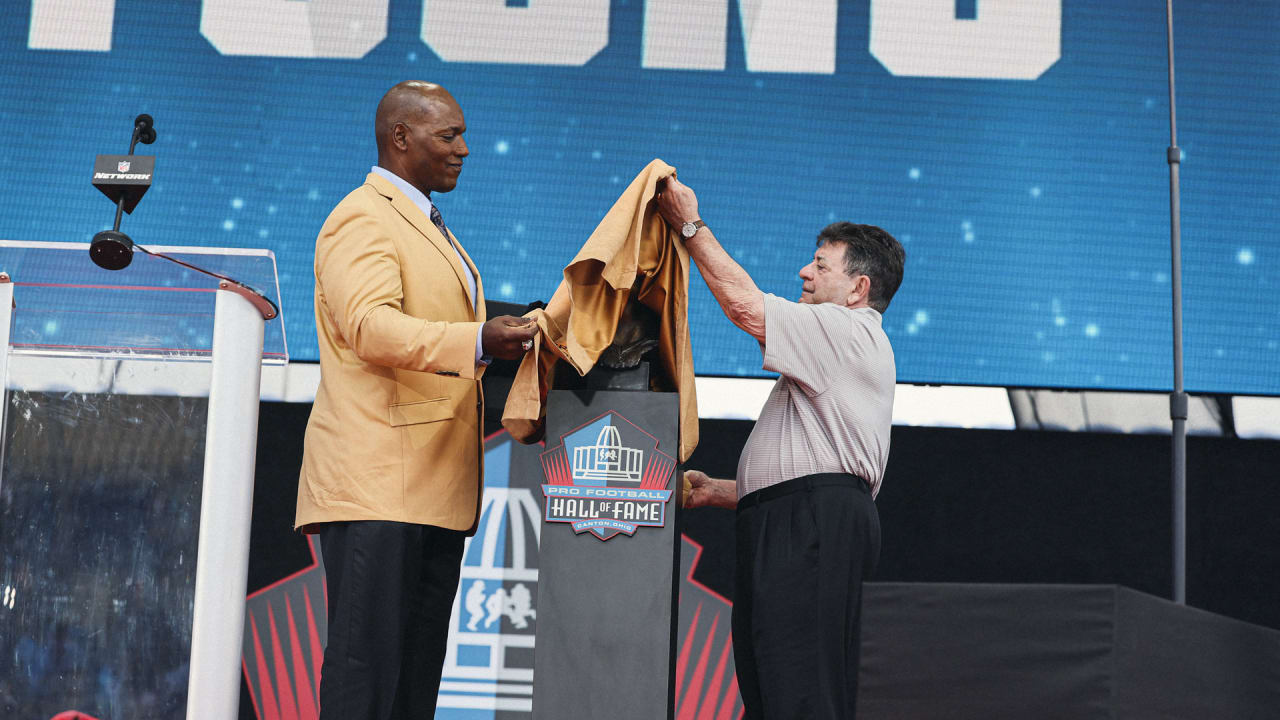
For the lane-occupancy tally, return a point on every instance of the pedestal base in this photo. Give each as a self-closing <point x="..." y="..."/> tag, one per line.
<point x="607" y="592"/>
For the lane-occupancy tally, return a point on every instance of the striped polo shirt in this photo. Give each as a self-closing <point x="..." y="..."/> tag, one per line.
<point x="832" y="409"/>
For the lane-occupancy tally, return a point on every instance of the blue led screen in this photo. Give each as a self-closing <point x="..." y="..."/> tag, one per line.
<point x="1017" y="149"/>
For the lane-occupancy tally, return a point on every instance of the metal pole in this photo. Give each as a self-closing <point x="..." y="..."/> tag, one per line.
<point x="1178" y="398"/>
<point x="222" y="557"/>
<point x="6" y="325"/>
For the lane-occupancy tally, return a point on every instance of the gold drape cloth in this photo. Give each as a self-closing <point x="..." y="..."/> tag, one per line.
<point x="631" y="251"/>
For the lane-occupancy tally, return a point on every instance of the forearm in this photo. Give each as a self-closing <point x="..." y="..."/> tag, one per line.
<point x="724" y="493"/>
<point x="703" y="491"/>
<point x="739" y="298"/>
<point x="732" y="287"/>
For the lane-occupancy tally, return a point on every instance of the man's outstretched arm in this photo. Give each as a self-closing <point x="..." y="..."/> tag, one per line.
<point x="733" y="288"/>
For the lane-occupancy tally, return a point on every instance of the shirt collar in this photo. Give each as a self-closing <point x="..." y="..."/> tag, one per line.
<point x="874" y="313"/>
<point x="422" y="201"/>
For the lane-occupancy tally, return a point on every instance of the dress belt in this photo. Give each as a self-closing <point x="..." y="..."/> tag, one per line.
<point x="806" y="482"/>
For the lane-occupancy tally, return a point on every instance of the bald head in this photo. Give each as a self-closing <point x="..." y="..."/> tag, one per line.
<point x="419" y="129"/>
<point x="405" y="103"/>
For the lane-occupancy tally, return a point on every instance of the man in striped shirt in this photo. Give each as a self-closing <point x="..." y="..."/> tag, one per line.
<point x="807" y="529"/>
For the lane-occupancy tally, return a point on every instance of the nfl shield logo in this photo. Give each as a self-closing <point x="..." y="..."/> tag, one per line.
<point x="123" y="166"/>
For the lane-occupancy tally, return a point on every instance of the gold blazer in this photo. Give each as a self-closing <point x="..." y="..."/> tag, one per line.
<point x="395" y="432"/>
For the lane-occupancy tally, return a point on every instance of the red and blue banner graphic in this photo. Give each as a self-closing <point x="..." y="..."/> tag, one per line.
<point x="285" y="626"/>
<point x="607" y="477"/>
<point x="488" y="672"/>
<point x="706" y="680"/>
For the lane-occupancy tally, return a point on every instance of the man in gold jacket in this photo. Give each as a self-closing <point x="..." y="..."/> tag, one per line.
<point x="391" y="470"/>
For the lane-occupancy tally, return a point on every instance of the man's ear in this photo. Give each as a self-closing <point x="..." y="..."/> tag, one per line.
<point x="861" y="291"/>
<point x="399" y="136"/>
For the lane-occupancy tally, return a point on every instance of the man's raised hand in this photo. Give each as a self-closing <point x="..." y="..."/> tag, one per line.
<point x="677" y="203"/>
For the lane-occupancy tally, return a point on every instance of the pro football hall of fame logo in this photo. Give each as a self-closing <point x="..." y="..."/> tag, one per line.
<point x="607" y="477"/>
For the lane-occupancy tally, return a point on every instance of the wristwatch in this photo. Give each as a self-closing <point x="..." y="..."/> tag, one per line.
<point x="690" y="229"/>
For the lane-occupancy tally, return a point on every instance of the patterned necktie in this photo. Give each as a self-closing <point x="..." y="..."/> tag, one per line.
<point x="438" y="220"/>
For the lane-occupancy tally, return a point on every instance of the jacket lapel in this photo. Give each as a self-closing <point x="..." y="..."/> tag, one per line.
<point x="479" y="305"/>
<point x="420" y="222"/>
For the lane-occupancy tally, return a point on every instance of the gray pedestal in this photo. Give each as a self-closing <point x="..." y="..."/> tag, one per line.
<point x="609" y="557"/>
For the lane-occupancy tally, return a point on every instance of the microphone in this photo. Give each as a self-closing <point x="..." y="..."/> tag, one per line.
<point x="123" y="179"/>
<point x="143" y="131"/>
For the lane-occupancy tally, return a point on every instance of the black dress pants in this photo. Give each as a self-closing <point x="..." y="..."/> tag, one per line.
<point x="803" y="549"/>
<point x="391" y="587"/>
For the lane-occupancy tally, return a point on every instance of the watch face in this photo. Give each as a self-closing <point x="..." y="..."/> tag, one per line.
<point x="688" y="230"/>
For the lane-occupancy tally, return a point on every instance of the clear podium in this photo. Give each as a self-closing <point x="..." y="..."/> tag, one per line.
<point x="129" y="422"/>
